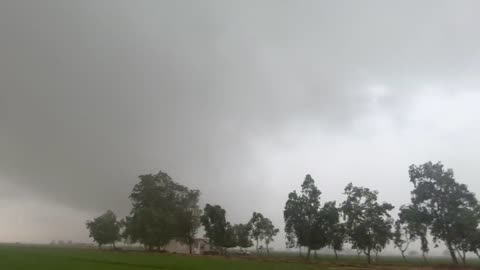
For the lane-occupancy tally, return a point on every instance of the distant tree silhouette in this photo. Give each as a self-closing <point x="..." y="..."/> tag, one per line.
<point x="368" y="223"/>
<point x="300" y="215"/>
<point x="447" y="208"/>
<point x="219" y="232"/>
<point x="242" y="235"/>
<point x="402" y="237"/>
<point x="104" y="229"/>
<point x="162" y="210"/>
<point x="309" y="224"/>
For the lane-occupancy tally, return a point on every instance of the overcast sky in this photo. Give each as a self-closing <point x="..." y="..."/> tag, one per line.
<point x="239" y="99"/>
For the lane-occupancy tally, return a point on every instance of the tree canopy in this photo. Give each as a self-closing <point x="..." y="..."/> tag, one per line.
<point x="300" y="215"/>
<point x="104" y="229"/>
<point x="402" y="237"/>
<point x="257" y="228"/>
<point x="242" y="235"/>
<point x="440" y="208"/>
<point x="162" y="210"/>
<point x="447" y="208"/>
<point x="219" y="232"/>
<point x="330" y="231"/>
<point x="368" y="223"/>
<point x="269" y="232"/>
<point x="309" y="224"/>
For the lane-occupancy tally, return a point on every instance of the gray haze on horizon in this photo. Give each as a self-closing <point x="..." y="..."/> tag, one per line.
<point x="239" y="99"/>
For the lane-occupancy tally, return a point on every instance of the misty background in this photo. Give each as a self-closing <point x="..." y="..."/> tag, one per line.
<point x="239" y="99"/>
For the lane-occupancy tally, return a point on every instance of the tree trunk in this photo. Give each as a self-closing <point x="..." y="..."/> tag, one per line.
<point x="315" y="253"/>
<point x="336" y="255"/>
<point x="308" y="253"/>
<point x="257" y="247"/>
<point x="452" y="253"/>
<point x="190" y="247"/>
<point x="99" y="246"/>
<point x="113" y="244"/>
<point x="424" y="257"/>
<point x="476" y="252"/>
<point x="464" y="259"/>
<point x="462" y="256"/>
<point x="268" y="251"/>
<point x="300" y="251"/>
<point x="369" y="259"/>
<point x="403" y="255"/>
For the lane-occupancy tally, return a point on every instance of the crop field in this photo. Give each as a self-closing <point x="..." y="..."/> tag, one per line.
<point x="43" y="258"/>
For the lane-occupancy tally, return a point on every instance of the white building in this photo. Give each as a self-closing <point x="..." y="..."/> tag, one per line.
<point x="199" y="246"/>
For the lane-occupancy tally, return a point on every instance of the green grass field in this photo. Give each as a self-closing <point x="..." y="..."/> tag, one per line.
<point x="45" y="258"/>
<point x="22" y="257"/>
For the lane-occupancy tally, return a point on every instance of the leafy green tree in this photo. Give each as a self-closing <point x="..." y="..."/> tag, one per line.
<point x="368" y="223"/>
<point x="262" y="229"/>
<point x="337" y="238"/>
<point x="215" y="224"/>
<point x="301" y="214"/>
<point x="475" y="243"/>
<point x="402" y="237"/>
<point x="415" y="222"/>
<point x="256" y="224"/>
<point x="294" y="222"/>
<point x="242" y="235"/>
<point x="465" y="229"/>
<point x="188" y="217"/>
<point x="382" y="236"/>
<point x="291" y="240"/>
<point x="162" y="210"/>
<point x="269" y="232"/>
<point x="230" y="239"/>
<point x="330" y="232"/>
<point x="220" y="233"/>
<point x="450" y="209"/>
<point x="105" y="229"/>
<point x="152" y="219"/>
<point x="424" y="245"/>
<point x="151" y="227"/>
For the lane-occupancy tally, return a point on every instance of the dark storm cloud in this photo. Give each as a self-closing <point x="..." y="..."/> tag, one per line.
<point x="94" y="93"/>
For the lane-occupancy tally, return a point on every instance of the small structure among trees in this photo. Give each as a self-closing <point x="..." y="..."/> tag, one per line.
<point x="200" y="246"/>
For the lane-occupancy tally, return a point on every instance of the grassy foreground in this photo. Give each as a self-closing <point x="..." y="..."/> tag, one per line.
<point x="22" y="257"/>
<point x="43" y="258"/>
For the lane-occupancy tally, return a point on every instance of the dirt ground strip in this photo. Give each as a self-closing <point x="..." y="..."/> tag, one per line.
<point x="385" y="267"/>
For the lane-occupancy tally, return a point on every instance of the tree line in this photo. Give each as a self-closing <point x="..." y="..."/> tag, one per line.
<point x="441" y="210"/>
<point x="163" y="210"/>
<point x="439" y="206"/>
